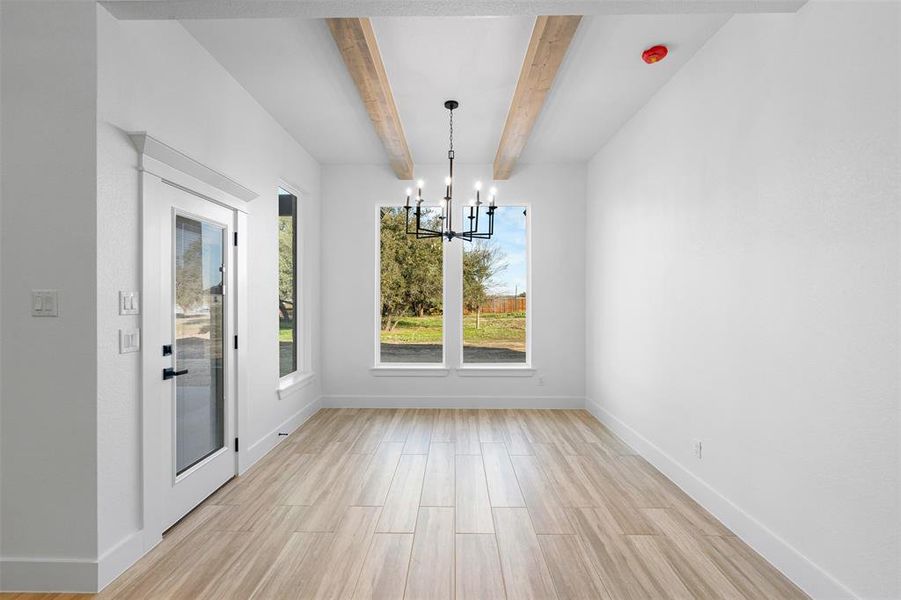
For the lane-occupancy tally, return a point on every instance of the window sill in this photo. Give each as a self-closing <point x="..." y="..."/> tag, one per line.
<point x="293" y="382"/>
<point x="409" y="371"/>
<point x="495" y="371"/>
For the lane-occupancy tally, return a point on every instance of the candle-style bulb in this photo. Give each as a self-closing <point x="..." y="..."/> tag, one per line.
<point x="447" y="180"/>
<point x="472" y="201"/>
<point x="420" y="184"/>
<point x="409" y="192"/>
<point x="478" y="185"/>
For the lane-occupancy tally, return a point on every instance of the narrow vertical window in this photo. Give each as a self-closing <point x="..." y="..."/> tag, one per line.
<point x="411" y="284"/>
<point x="496" y="292"/>
<point x="287" y="282"/>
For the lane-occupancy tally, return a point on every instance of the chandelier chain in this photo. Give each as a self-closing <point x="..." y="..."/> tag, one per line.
<point x="451" y="130"/>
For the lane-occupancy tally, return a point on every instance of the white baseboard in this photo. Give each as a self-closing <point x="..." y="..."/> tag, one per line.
<point x="360" y="401"/>
<point x="264" y="445"/>
<point x="117" y="559"/>
<point x="794" y="565"/>
<point x="42" y="575"/>
<point x="48" y="575"/>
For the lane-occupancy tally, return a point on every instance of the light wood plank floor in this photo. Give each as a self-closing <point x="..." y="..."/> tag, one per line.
<point x="477" y="504"/>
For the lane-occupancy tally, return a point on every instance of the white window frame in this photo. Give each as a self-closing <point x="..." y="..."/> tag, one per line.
<point x="512" y="369"/>
<point x="452" y="300"/>
<point x="303" y="375"/>
<point x="383" y="369"/>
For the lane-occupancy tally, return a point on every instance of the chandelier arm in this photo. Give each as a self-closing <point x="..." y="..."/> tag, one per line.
<point x="469" y="231"/>
<point x="420" y="229"/>
<point x="431" y="232"/>
<point x="428" y="233"/>
<point x="490" y="231"/>
<point x="407" y="222"/>
<point x="474" y="224"/>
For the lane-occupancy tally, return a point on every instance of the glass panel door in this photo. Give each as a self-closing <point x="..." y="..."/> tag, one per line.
<point x="199" y="349"/>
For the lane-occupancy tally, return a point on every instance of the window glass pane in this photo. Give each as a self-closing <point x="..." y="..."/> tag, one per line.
<point x="199" y="341"/>
<point x="411" y="284"/>
<point x="287" y="282"/>
<point x="495" y="291"/>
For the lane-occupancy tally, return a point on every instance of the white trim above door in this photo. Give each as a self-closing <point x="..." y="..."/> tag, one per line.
<point x="165" y="160"/>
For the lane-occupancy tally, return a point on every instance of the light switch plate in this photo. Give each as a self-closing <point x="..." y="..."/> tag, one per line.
<point x="129" y="340"/>
<point x="128" y="303"/>
<point x="44" y="303"/>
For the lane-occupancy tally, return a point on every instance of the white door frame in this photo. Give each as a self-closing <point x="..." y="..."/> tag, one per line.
<point x="161" y="165"/>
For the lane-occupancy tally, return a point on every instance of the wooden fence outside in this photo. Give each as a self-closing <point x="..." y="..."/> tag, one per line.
<point x="503" y="304"/>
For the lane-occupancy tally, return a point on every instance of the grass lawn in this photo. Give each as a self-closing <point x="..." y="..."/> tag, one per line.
<point x="414" y="330"/>
<point x="506" y="330"/>
<point x="285" y="331"/>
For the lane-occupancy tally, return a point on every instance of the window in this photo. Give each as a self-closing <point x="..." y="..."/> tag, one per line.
<point x="411" y="290"/>
<point x="495" y="292"/>
<point x="287" y="282"/>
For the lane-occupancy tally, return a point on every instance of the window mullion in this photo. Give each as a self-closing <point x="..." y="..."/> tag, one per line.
<point x="453" y="304"/>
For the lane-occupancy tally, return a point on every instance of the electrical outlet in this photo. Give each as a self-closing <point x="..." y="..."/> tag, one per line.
<point x="697" y="448"/>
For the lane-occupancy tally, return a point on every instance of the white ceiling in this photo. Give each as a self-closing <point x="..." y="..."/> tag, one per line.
<point x="473" y="60"/>
<point x="292" y="67"/>
<point x="318" y="9"/>
<point x="294" y="70"/>
<point x="603" y="81"/>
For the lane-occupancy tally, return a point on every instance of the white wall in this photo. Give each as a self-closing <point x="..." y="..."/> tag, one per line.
<point x="49" y="513"/>
<point x="556" y="195"/>
<point x="154" y="77"/>
<point x="743" y="287"/>
<point x="1" y="292"/>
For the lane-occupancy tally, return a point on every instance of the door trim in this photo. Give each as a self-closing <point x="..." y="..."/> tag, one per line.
<point x="150" y="181"/>
<point x="165" y="155"/>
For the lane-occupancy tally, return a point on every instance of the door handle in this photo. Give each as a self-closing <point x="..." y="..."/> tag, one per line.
<point x="169" y="373"/>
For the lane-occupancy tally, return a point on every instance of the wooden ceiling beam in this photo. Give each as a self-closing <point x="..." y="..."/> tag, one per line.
<point x="551" y="37"/>
<point x="356" y="42"/>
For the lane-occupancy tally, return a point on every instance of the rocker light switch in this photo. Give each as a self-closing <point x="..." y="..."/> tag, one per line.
<point x="128" y="303"/>
<point x="129" y="340"/>
<point x="44" y="303"/>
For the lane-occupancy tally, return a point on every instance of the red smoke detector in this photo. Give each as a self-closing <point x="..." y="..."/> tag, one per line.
<point x="654" y="54"/>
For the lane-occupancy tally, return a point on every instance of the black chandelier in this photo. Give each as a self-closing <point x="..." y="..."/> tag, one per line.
<point x="446" y="219"/>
